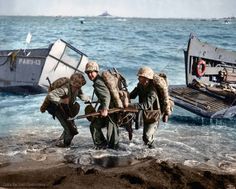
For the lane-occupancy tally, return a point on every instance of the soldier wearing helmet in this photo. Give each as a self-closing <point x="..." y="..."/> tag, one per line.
<point x="91" y="66"/>
<point x="106" y="101"/>
<point x="77" y="80"/>
<point x="62" y="105"/>
<point x="145" y="72"/>
<point x="148" y="100"/>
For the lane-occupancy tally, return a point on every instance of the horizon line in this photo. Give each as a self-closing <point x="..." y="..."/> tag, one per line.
<point x="112" y="16"/>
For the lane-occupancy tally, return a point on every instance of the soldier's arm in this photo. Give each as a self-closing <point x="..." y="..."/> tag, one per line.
<point x="103" y="94"/>
<point x="56" y="95"/>
<point x="82" y="96"/>
<point x="134" y="93"/>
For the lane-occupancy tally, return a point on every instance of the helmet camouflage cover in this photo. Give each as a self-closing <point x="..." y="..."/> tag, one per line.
<point x="146" y="72"/>
<point x="91" y="66"/>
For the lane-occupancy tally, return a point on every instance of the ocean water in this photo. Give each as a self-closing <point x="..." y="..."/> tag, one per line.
<point x="126" y="44"/>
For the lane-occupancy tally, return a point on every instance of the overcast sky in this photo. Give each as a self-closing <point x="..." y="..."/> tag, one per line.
<point x="123" y="8"/>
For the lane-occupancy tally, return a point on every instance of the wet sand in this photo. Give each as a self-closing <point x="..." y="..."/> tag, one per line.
<point x="146" y="173"/>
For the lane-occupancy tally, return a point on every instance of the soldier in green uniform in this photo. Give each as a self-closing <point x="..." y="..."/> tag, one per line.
<point x="60" y="103"/>
<point x="148" y="100"/>
<point x="106" y="102"/>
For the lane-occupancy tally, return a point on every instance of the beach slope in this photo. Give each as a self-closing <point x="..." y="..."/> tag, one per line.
<point x="147" y="173"/>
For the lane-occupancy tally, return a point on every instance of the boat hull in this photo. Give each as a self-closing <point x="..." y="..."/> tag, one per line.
<point x="30" y="71"/>
<point x="24" y="90"/>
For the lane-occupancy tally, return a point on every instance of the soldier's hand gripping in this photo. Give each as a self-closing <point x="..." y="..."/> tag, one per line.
<point x="104" y="112"/>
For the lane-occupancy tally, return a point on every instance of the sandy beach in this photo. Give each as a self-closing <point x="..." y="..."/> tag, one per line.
<point x="146" y="173"/>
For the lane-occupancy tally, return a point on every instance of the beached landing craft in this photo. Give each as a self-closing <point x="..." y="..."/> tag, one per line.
<point x="29" y="71"/>
<point x="210" y="89"/>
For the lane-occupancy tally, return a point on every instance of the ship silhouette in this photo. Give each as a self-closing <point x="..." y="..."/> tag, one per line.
<point x="105" y="13"/>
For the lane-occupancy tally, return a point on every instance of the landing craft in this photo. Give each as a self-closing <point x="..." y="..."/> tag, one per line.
<point x="27" y="71"/>
<point x="210" y="89"/>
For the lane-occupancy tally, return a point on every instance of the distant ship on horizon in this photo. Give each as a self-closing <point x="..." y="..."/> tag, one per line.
<point x="105" y="13"/>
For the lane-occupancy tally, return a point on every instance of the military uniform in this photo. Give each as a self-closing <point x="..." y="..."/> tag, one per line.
<point x="63" y="111"/>
<point x="110" y="121"/>
<point x="148" y="99"/>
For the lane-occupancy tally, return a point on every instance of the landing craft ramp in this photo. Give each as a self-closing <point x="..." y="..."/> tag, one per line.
<point x="210" y="89"/>
<point x="201" y="103"/>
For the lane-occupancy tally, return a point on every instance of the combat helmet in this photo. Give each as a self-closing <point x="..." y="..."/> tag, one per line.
<point x="91" y="66"/>
<point x="77" y="80"/>
<point x="146" y="72"/>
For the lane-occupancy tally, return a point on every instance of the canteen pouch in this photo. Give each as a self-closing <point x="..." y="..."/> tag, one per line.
<point x="151" y="116"/>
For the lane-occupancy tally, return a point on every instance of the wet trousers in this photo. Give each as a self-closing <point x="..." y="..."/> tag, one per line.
<point x="62" y="114"/>
<point x="69" y="129"/>
<point x="148" y="132"/>
<point x="112" y="139"/>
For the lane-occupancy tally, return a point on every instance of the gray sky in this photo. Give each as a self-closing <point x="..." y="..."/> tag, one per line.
<point x="123" y="8"/>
